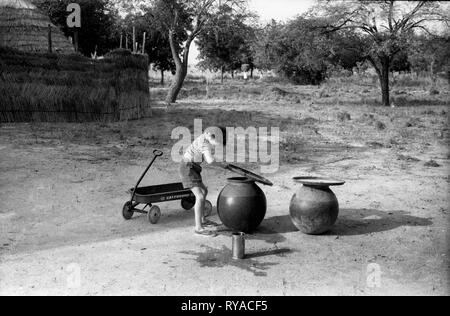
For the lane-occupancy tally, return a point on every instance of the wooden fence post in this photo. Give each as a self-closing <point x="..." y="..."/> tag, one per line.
<point x="50" y="39"/>
<point x="75" y="37"/>
<point x="143" y="43"/>
<point x="134" y="39"/>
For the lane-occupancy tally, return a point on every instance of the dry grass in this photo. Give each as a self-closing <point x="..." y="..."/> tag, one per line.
<point x="406" y="90"/>
<point x="344" y="114"/>
<point x="338" y="119"/>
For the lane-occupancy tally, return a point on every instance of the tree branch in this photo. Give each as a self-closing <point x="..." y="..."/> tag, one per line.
<point x="401" y="25"/>
<point x="391" y="9"/>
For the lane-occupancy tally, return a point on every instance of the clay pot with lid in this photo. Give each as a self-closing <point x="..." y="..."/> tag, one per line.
<point x="314" y="208"/>
<point x="242" y="205"/>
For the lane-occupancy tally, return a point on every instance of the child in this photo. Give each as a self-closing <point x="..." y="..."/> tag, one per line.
<point x="190" y="172"/>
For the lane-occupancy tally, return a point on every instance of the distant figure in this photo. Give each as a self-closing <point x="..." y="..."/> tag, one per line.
<point x="245" y="68"/>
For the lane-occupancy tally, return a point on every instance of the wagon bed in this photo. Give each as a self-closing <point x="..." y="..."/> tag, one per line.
<point x="161" y="193"/>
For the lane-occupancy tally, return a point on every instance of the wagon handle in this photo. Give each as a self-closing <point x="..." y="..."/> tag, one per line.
<point x="157" y="153"/>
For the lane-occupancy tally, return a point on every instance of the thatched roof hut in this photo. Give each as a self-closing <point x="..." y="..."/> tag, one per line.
<point x="24" y="27"/>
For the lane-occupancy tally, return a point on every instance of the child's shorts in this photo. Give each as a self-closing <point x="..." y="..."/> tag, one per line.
<point x="190" y="173"/>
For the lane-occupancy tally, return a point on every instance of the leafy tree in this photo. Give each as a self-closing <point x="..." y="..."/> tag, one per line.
<point x="98" y="23"/>
<point x="346" y="49"/>
<point x="224" y="42"/>
<point x="156" y="45"/>
<point x="388" y="27"/>
<point x="430" y="54"/>
<point x="160" y="55"/>
<point x="295" y="49"/>
<point x="400" y="62"/>
<point x="183" y="21"/>
<point x="262" y="47"/>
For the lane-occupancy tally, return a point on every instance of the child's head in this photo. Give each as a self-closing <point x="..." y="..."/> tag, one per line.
<point x="216" y="134"/>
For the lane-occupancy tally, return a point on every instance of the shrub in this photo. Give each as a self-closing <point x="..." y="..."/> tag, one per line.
<point x="380" y="126"/>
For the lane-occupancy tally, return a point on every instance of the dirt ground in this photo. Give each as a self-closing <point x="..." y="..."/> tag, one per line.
<point x="62" y="187"/>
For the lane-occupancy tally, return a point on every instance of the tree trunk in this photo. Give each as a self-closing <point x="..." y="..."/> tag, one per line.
<point x="222" y="74"/>
<point x="433" y="76"/>
<point x="181" y="68"/>
<point x="162" y="77"/>
<point x="176" y="86"/>
<point x="251" y="71"/>
<point x="381" y="64"/>
<point x="384" y="81"/>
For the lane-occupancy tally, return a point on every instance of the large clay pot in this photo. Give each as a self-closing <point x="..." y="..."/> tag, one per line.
<point x="242" y="205"/>
<point x="314" y="209"/>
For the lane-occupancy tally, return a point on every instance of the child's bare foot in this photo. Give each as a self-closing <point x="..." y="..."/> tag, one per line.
<point x="205" y="232"/>
<point x="209" y="223"/>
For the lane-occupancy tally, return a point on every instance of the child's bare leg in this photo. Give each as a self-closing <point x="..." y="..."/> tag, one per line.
<point x="205" y="194"/>
<point x="199" y="206"/>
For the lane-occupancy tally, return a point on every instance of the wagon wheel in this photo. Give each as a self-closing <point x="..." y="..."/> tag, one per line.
<point x="188" y="203"/>
<point x="127" y="212"/>
<point x="208" y="209"/>
<point x="154" y="214"/>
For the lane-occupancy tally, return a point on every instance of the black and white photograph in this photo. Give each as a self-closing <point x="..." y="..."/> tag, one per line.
<point x="224" y="153"/>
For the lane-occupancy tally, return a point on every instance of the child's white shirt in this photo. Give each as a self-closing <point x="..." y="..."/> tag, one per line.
<point x="198" y="149"/>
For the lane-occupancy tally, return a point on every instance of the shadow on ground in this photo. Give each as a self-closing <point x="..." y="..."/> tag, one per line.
<point x="271" y="230"/>
<point x="218" y="258"/>
<point x="365" y="221"/>
<point x="351" y="222"/>
<point x="172" y="218"/>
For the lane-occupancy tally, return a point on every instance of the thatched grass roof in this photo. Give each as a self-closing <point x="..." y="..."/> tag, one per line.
<point x="24" y="27"/>
<point x="18" y="4"/>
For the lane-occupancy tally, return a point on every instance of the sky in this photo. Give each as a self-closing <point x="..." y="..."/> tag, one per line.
<point x="268" y="10"/>
<point x="279" y="9"/>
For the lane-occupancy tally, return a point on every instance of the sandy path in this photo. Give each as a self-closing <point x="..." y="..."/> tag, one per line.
<point x="396" y="230"/>
<point x="60" y="214"/>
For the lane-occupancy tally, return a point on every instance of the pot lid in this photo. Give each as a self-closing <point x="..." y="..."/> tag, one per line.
<point x="318" y="181"/>
<point x="250" y="175"/>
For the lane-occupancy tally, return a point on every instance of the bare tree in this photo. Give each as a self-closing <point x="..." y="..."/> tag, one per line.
<point x="388" y="26"/>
